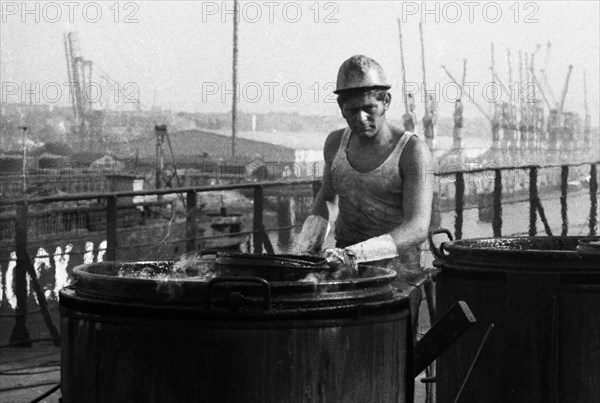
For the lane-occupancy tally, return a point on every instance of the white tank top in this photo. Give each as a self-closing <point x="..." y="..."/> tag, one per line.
<point x="370" y="203"/>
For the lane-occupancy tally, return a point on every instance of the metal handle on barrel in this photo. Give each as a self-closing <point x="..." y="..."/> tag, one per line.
<point x="255" y="280"/>
<point x="438" y="252"/>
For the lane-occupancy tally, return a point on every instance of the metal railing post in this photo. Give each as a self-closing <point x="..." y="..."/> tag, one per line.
<point x="533" y="196"/>
<point x="257" y="226"/>
<point x="316" y="187"/>
<point x="111" y="228"/>
<point x="20" y="334"/>
<point x="497" y="208"/>
<point x="459" y="200"/>
<point x="190" y="223"/>
<point x="564" y="178"/>
<point x="593" y="199"/>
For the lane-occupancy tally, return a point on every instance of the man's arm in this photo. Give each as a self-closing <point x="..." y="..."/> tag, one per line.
<point x="416" y="168"/>
<point x="315" y="227"/>
<point x="327" y="193"/>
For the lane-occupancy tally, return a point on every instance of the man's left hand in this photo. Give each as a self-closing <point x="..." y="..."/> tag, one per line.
<point x="343" y="261"/>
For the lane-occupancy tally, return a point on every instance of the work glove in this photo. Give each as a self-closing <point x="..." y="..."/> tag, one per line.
<point x="342" y="261"/>
<point x="377" y="248"/>
<point x="314" y="231"/>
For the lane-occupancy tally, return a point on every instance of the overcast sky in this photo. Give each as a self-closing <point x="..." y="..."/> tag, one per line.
<point x="289" y="52"/>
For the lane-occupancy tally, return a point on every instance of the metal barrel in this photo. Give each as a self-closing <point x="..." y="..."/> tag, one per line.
<point x="543" y="296"/>
<point x="234" y="340"/>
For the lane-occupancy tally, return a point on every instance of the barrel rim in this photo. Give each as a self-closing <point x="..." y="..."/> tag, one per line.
<point x="188" y="290"/>
<point x="473" y="252"/>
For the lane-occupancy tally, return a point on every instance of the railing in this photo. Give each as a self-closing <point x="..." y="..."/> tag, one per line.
<point x="259" y="235"/>
<point x="535" y="204"/>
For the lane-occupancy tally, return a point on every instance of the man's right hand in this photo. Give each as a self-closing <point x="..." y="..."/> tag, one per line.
<point x="312" y="236"/>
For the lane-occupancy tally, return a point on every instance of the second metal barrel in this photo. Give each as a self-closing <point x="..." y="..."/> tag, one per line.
<point x="543" y="297"/>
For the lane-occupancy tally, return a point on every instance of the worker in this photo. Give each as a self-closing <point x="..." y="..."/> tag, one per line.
<point x="382" y="175"/>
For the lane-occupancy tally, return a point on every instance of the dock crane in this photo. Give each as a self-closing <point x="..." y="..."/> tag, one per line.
<point x="79" y="71"/>
<point x="76" y="67"/>
<point x="563" y="96"/>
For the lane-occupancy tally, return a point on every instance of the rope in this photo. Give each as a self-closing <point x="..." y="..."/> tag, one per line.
<point x="460" y="193"/>
<point x="543" y="217"/>
<point x="564" y="177"/>
<point x="533" y="200"/>
<point x="593" y="199"/>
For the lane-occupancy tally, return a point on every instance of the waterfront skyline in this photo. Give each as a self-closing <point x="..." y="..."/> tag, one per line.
<point x="177" y="55"/>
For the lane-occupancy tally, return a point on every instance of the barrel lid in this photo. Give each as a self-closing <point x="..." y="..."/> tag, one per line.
<point x="519" y="253"/>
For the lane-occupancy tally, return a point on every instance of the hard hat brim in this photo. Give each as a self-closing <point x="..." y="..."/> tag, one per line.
<point x="362" y="89"/>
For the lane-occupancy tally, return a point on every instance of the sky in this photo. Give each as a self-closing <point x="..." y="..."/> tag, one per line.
<point x="178" y="54"/>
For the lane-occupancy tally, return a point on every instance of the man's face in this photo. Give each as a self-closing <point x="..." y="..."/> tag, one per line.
<point x="364" y="114"/>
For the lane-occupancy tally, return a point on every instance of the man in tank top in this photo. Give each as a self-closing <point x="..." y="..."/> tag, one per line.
<point x="382" y="175"/>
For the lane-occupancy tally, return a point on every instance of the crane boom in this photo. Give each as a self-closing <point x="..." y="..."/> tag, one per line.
<point x="468" y="95"/>
<point x="563" y="96"/>
<point x="70" y="72"/>
<point x="548" y="88"/>
<point x="537" y="83"/>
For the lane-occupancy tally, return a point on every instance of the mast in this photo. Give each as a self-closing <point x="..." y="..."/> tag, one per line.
<point x="24" y="173"/>
<point x="520" y="89"/>
<point x="429" y="118"/>
<point x="422" y="57"/>
<point x="464" y="77"/>
<point x="529" y="105"/>
<point x="402" y="65"/>
<point x="587" y="139"/>
<point x="510" y="82"/>
<point x="495" y="114"/>
<point x="235" y="78"/>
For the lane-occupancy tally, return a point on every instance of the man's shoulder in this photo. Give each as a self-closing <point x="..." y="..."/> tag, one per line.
<point x="332" y="143"/>
<point x="415" y="150"/>
<point x="334" y="137"/>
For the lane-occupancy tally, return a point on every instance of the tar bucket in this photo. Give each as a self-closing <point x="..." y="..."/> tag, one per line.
<point x="542" y="294"/>
<point x="233" y="339"/>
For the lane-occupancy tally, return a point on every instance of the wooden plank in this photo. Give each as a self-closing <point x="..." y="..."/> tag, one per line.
<point x="446" y="331"/>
